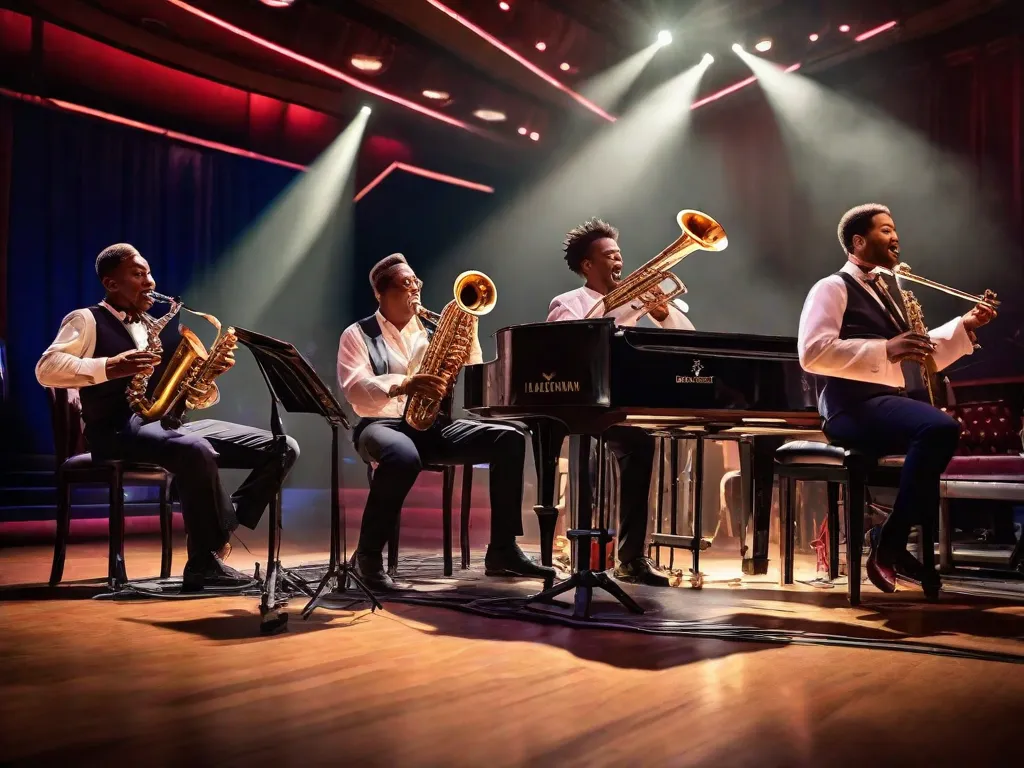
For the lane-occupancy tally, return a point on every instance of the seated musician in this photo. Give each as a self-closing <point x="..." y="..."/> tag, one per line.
<point x="378" y="359"/>
<point x="99" y="350"/>
<point x="854" y="332"/>
<point x="591" y="251"/>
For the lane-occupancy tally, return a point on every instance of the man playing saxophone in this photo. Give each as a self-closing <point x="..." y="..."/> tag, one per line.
<point x="854" y="331"/>
<point x="99" y="350"/>
<point x="378" y="362"/>
<point x="592" y="252"/>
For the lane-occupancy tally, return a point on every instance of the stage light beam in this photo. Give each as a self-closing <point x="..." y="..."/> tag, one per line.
<point x="664" y="38"/>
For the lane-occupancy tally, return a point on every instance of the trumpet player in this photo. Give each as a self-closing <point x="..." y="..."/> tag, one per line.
<point x="378" y="363"/>
<point x="592" y="252"/>
<point x="98" y="350"/>
<point x="854" y="331"/>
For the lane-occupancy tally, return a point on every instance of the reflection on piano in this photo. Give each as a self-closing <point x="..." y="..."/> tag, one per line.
<point x="581" y="377"/>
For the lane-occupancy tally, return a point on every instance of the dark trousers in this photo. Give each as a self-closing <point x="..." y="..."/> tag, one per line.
<point x="634" y="451"/>
<point x="400" y="453"/>
<point x="193" y="453"/>
<point x="890" y="425"/>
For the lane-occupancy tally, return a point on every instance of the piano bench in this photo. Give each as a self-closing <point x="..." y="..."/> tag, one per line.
<point x="806" y="460"/>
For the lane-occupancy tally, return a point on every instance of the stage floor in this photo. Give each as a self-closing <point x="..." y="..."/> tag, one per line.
<point x="192" y="682"/>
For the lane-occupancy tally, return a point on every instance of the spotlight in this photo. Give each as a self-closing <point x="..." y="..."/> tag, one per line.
<point x="490" y="115"/>
<point x="504" y="6"/>
<point x="763" y="45"/>
<point x="365" y="109"/>
<point x="522" y="130"/>
<point x="813" y="37"/>
<point x="277" y="3"/>
<point x="436" y="95"/>
<point x="844" y="27"/>
<point x="564" y="66"/>
<point x="707" y="58"/>
<point x="664" y="37"/>
<point x="366" y="63"/>
<point x="737" y="48"/>
<point x="534" y="135"/>
<point x="541" y="46"/>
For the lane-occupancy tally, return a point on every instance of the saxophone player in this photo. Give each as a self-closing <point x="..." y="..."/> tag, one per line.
<point x="854" y="331"/>
<point x="378" y="362"/>
<point x="98" y="350"/>
<point x="592" y="252"/>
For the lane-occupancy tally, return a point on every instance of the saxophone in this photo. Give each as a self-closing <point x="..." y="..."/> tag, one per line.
<point x="187" y="380"/>
<point x="929" y="372"/>
<point x="449" y="348"/>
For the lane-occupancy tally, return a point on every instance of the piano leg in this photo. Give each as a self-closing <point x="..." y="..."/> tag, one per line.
<point x="698" y="503"/>
<point x="757" y="470"/>
<point x="548" y="435"/>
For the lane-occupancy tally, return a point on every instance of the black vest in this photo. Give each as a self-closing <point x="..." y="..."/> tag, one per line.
<point x="864" y="318"/>
<point x="105" y="406"/>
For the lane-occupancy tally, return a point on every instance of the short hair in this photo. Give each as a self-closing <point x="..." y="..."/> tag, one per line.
<point x="111" y="256"/>
<point x="384" y="270"/>
<point x="579" y="239"/>
<point x="857" y="221"/>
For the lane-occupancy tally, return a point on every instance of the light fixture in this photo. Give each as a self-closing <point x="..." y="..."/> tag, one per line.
<point x="763" y="45"/>
<point x="490" y="115"/>
<point x="366" y="63"/>
<point x="541" y="45"/>
<point x="564" y="66"/>
<point x="436" y="95"/>
<point x="664" y="37"/>
<point x="277" y="3"/>
<point x="737" y="48"/>
<point x="844" y="27"/>
<point x="504" y="6"/>
<point x="365" y="109"/>
<point x="813" y="37"/>
<point x="707" y="58"/>
<point x="534" y="135"/>
<point x="876" y="31"/>
<point x="522" y="130"/>
<point x="417" y="171"/>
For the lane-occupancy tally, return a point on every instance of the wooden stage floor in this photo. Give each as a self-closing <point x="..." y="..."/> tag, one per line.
<point x="89" y="682"/>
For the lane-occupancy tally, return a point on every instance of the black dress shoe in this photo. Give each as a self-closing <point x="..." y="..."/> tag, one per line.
<point x="641" y="570"/>
<point x="510" y="560"/>
<point x="370" y="570"/>
<point x="909" y="568"/>
<point x="209" y="572"/>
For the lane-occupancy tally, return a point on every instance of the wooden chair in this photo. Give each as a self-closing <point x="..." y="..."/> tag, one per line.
<point x="75" y="466"/>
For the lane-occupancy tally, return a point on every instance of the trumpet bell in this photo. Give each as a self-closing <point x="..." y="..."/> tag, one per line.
<point x="475" y="293"/>
<point x="706" y="233"/>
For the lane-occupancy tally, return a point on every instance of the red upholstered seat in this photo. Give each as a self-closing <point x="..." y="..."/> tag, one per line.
<point x="1009" y="467"/>
<point x="989" y="429"/>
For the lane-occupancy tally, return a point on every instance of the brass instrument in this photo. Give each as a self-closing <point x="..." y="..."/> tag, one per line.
<point x="915" y="319"/>
<point x="699" y="232"/>
<point x="187" y="380"/>
<point x="450" y="345"/>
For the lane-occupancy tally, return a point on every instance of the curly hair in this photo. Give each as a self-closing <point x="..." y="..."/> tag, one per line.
<point x="111" y="256"/>
<point x="857" y="221"/>
<point x="579" y="239"/>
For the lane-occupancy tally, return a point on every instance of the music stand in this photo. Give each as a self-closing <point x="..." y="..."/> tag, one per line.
<point x="294" y="384"/>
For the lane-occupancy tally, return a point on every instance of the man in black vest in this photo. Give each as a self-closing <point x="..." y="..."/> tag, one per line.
<point x="98" y="350"/>
<point x="378" y="360"/>
<point x="854" y="332"/>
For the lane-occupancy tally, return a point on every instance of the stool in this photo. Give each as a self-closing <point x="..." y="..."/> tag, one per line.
<point x="804" y="460"/>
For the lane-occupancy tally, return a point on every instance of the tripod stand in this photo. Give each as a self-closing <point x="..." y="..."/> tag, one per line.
<point x="585" y="580"/>
<point x="294" y="385"/>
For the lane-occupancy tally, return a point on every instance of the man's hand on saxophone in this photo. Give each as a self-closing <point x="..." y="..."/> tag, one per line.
<point x="130" y="363"/>
<point x="424" y="384"/>
<point x="980" y="315"/>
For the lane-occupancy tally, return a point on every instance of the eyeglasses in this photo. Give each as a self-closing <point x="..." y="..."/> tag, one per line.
<point x="410" y="284"/>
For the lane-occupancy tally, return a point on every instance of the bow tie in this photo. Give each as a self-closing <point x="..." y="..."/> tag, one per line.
<point x="128" y="320"/>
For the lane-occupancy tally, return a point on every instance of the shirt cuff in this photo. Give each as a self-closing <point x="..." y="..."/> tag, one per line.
<point x="93" y="367"/>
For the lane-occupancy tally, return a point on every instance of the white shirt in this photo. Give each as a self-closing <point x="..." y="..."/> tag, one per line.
<point x="823" y="352"/>
<point x="68" y="361"/>
<point x="574" y="305"/>
<point x="368" y="393"/>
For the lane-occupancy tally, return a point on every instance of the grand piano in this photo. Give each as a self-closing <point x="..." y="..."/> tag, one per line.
<point x="581" y="377"/>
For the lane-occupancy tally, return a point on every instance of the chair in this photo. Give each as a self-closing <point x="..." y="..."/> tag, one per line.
<point x="447" y="494"/>
<point x="803" y="460"/>
<point x="76" y="466"/>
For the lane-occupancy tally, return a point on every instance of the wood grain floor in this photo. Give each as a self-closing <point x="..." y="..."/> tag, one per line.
<point x="86" y="682"/>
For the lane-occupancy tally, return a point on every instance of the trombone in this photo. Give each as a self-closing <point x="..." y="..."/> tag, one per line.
<point x="902" y="271"/>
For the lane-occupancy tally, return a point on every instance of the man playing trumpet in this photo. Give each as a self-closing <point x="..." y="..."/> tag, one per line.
<point x="378" y="363"/>
<point x="98" y="350"/>
<point x="854" y="332"/>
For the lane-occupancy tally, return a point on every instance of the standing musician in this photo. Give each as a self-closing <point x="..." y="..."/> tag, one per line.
<point x="854" y="331"/>
<point x="378" y="360"/>
<point x="99" y="350"/>
<point x="592" y="252"/>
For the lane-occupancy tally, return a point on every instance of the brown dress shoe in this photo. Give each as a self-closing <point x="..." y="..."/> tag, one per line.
<point x="882" y="575"/>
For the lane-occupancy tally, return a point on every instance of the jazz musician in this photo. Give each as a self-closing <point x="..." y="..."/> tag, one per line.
<point x="854" y="332"/>
<point x="98" y="350"/>
<point x="592" y="252"/>
<point x="378" y="360"/>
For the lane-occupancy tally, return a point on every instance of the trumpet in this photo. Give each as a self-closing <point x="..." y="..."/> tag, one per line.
<point x="699" y="232"/>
